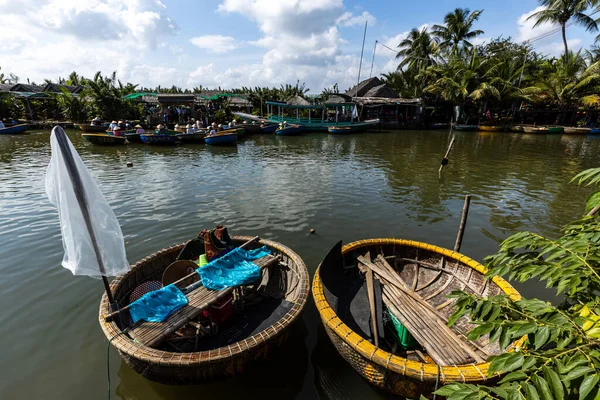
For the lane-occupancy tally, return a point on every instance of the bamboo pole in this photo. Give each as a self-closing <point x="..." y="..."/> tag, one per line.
<point x="463" y="223"/>
<point x="445" y="159"/>
<point x="371" y="295"/>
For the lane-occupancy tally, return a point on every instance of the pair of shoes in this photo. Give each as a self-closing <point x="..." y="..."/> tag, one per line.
<point x="216" y="242"/>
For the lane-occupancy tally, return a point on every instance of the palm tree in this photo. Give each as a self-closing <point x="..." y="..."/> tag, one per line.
<point x="570" y="83"/>
<point x="561" y="12"/>
<point x="457" y="29"/>
<point x="418" y="50"/>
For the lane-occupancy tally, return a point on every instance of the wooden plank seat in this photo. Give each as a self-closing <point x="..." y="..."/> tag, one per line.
<point x="152" y="334"/>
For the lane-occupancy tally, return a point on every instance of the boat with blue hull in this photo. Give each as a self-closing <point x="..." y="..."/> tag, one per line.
<point x="222" y="138"/>
<point x="594" y="132"/>
<point x="104" y="139"/>
<point x="268" y="128"/>
<point x="14" y="130"/>
<point x="339" y="129"/>
<point x="290" y="130"/>
<point x="168" y="138"/>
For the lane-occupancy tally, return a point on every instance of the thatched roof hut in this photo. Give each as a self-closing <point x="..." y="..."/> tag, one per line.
<point x="298" y="101"/>
<point x="364" y="87"/>
<point x="382" y="90"/>
<point x="57" y="88"/>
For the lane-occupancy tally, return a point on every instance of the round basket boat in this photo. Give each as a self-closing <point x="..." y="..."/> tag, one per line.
<point x="404" y="374"/>
<point x="289" y="283"/>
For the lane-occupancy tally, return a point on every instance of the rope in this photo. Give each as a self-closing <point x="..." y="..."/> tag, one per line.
<point x="108" y="358"/>
<point x="437" y="381"/>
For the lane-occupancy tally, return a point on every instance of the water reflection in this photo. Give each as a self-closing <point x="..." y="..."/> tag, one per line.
<point x="346" y="187"/>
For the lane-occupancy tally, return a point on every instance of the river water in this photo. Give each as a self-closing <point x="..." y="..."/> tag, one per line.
<point x="345" y="187"/>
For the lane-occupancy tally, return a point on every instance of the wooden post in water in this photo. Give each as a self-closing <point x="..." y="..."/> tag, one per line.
<point x="463" y="223"/>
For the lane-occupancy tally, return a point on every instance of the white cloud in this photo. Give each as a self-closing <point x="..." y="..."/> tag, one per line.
<point x="347" y="19"/>
<point x="215" y="43"/>
<point x="526" y="29"/>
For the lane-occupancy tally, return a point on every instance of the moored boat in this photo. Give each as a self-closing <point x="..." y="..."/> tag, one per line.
<point x="490" y="128"/>
<point x="197" y="137"/>
<point x="594" y="131"/>
<point x="437" y="125"/>
<point x="406" y="365"/>
<point x="268" y="128"/>
<point x="249" y="326"/>
<point x="14" y="130"/>
<point x="569" y="130"/>
<point x="516" y="128"/>
<point x="133" y="137"/>
<point x="104" y="139"/>
<point x="289" y="130"/>
<point x="250" y="128"/>
<point x="339" y="129"/>
<point x="463" y="127"/>
<point x="170" y="137"/>
<point x="88" y="128"/>
<point x="222" y="138"/>
<point x="535" y="129"/>
<point x="555" y="129"/>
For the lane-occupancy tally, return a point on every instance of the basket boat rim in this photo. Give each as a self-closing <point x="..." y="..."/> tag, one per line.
<point x="415" y="369"/>
<point x="131" y="348"/>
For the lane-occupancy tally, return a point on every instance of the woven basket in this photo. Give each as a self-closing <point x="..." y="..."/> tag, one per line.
<point x="389" y="372"/>
<point x="190" y="368"/>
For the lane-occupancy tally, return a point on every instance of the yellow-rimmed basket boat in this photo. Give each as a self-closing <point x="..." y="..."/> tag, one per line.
<point x="288" y="283"/>
<point x="408" y="373"/>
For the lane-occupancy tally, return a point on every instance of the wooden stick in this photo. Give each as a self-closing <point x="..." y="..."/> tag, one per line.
<point x="593" y="211"/>
<point x="463" y="223"/>
<point x="112" y="315"/>
<point x="445" y="159"/>
<point x="371" y="294"/>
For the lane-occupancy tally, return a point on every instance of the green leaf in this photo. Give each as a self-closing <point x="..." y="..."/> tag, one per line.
<point x="554" y="381"/>
<point x="529" y="362"/>
<point x="541" y="336"/>
<point x="576" y="373"/>
<point x="524" y="329"/>
<point x="543" y="387"/>
<point x="530" y="392"/>
<point x="514" y="376"/>
<point x="587" y="385"/>
<point x="481" y="330"/>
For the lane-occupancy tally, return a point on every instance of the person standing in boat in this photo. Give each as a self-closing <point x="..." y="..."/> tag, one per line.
<point x="139" y="129"/>
<point x="112" y="125"/>
<point x="190" y="129"/>
<point x="117" y="131"/>
<point x="121" y="125"/>
<point x="96" y="122"/>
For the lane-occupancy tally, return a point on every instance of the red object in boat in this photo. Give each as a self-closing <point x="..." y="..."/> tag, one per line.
<point x="221" y="310"/>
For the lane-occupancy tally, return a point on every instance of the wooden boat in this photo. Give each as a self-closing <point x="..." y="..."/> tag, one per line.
<point x="342" y="299"/>
<point x="339" y="129"/>
<point x="125" y="132"/>
<point x="170" y="137"/>
<point x="490" y="128"/>
<point x="462" y="127"/>
<point x="222" y="138"/>
<point x="516" y="128"/>
<point x="92" y="128"/>
<point x="247" y="336"/>
<point x="197" y="137"/>
<point x="133" y="137"/>
<point x="14" y="130"/>
<point x="250" y="128"/>
<point x="104" y="139"/>
<point x="576" y="131"/>
<point x="268" y="128"/>
<point x="290" y="130"/>
<point x="555" y="129"/>
<point x="594" y="132"/>
<point x="535" y="129"/>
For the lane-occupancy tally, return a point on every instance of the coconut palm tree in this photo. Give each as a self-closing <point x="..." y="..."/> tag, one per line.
<point x="418" y="50"/>
<point x="561" y="12"/>
<point x="569" y="84"/>
<point x="457" y="29"/>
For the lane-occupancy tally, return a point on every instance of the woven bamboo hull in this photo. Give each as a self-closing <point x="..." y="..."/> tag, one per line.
<point x="92" y="128"/>
<point x="393" y="373"/>
<point x="197" y="367"/>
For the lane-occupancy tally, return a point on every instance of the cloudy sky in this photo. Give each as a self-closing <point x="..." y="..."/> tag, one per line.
<point x="232" y="43"/>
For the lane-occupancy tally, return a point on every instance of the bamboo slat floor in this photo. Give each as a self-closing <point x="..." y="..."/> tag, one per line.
<point x="153" y="334"/>
<point x="420" y="318"/>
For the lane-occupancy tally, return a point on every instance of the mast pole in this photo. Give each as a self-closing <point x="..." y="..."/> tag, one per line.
<point x="373" y="60"/>
<point x="361" y="57"/>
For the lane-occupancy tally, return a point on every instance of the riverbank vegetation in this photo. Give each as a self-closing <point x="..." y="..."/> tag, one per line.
<point x="561" y="356"/>
<point x="440" y="64"/>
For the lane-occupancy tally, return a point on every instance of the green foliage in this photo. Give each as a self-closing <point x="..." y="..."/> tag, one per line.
<point x="560" y="356"/>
